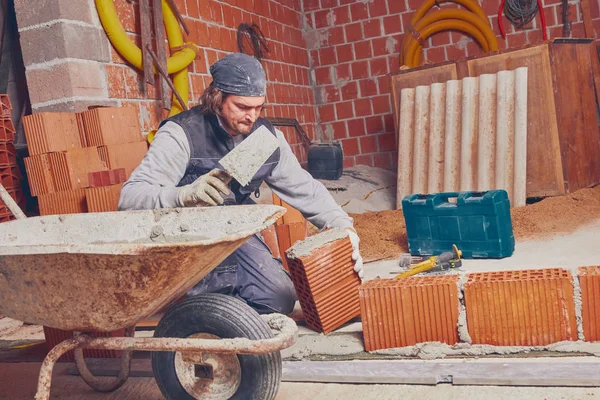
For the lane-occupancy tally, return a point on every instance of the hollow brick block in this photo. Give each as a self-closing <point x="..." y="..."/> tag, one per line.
<point x="70" y="169"/>
<point x="521" y="308"/>
<point x="71" y="202"/>
<point x="404" y="312"/>
<point x="112" y="125"/>
<point x="106" y="178"/>
<point x="326" y="285"/>
<point x="127" y="156"/>
<point x="589" y="279"/>
<point x="8" y="154"/>
<point x="39" y="174"/>
<point x="103" y="199"/>
<point x="49" y="132"/>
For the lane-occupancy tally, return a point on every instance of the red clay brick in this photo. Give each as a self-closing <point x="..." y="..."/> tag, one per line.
<point x="374" y="124"/>
<point x="70" y="169"/>
<point x="350" y="147"/>
<point x="46" y="132"/>
<point x="349" y="162"/>
<point x="103" y="199"/>
<point x="405" y="312"/>
<point x="356" y="127"/>
<point x="336" y="36"/>
<point x="327" y="56"/>
<point x="379" y="66"/>
<point x="322" y="18"/>
<point x="323" y="76"/>
<point x="354" y="32"/>
<point x="521" y="308"/>
<point x="112" y="125"/>
<point x="71" y="202"/>
<point x="360" y="69"/>
<point x="363" y="107"/>
<point x="342" y="72"/>
<point x="341" y="15"/>
<point x="359" y="11"/>
<point x="39" y="174"/>
<point x="7" y="131"/>
<point x="106" y="178"/>
<point x="364" y="160"/>
<point x="382" y="160"/>
<point x="377" y="8"/>
<point x="363" y="50"/>
<point x="372" y="28"/>
<point x="387" y="142"/>
<point x="327" y="113"/>
<point x="345" y="53"/>
<point x="368" y="144"/>
<point x="350" y="91"/>
<point x="327" y="285"/>
<point x="269" y="236"/>
<point x="395" y="6"/>
<point x="344" y="110"/>
<point x="368" y="88"/>
<point x="382" y="104"/>
<point x="589" y="279"/>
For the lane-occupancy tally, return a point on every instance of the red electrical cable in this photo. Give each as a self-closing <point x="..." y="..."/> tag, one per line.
<point x="543" y="18"/>
<point x="500" y="19"/>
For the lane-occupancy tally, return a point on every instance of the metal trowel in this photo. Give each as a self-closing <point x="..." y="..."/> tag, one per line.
<point x="244" y="161"/>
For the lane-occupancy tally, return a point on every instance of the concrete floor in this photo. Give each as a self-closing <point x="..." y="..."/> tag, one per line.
<point x="18" y="382"/>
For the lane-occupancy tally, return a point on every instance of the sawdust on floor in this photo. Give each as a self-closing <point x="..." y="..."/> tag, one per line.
<point x="383" y="234"/>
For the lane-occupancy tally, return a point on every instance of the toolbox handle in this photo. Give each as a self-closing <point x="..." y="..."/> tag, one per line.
<point x="444" y="198"/>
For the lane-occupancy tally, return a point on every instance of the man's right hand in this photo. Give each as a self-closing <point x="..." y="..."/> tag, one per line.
<point x="204" y="191"/>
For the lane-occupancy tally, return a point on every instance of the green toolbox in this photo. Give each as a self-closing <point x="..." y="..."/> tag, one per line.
<point x="478" y="223"/>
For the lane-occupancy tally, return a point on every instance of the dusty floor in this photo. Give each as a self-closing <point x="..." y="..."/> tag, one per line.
<point x="18" y="382"/>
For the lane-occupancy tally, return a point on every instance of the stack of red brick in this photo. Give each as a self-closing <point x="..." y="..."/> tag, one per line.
<point x="10" y="176"/>
<point x="78" y="161"/>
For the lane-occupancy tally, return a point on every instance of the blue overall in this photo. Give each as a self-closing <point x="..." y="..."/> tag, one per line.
<point x="250" y="273"/>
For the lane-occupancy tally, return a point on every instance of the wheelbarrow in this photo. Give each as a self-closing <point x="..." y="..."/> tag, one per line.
<point x="108" y="271"/>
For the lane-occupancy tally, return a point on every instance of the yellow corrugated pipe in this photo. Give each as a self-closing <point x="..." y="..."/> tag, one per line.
<point x="177" y="64"/>
<point x="472" y="21"/>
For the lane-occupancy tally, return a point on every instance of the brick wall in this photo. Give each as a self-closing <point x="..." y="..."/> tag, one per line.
<point x="213" y="26"/>
<point x="354" y="44"/>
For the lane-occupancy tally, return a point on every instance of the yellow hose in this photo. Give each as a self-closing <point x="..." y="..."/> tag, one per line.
<point x="177" y="64"/>
<point x="414" y="51"/>
<point x="473" y="22"/>
<point x="128" y="49"/>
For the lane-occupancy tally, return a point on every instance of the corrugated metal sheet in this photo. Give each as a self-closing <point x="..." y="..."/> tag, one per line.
<point x="465" y="135"/>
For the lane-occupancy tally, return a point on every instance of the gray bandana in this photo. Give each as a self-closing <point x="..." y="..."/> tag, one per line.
<point x="239" y="74"/>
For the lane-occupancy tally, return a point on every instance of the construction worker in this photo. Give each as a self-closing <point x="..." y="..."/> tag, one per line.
<point x="181" y="170"/>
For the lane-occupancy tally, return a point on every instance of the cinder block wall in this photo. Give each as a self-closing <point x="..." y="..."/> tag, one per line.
<point x="354" y="44"/>
<point x="328" y="64"/>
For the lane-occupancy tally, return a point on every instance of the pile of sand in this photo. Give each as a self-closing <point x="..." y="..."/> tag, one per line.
<point x="383" y="234"/>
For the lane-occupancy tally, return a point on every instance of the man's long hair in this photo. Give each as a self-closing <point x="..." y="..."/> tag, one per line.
<point x="211" y="100"/>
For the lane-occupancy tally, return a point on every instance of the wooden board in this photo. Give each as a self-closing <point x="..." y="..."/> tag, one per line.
<point x="573" y="78"/>
<point x="544" y="166"/>
<point x="418" y="77"/>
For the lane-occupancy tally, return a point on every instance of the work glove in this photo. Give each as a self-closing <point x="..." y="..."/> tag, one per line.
<point x="204" y="191"/>
<point x="356" y="257"/>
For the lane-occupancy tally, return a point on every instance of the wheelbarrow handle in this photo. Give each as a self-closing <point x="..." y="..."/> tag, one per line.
<point x="11" y="204"/>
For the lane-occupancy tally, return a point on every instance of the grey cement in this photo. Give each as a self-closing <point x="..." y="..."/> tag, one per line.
<point x="307" y="246"/>
<point x="244" y="161"/>
<point x="119" y="232"/>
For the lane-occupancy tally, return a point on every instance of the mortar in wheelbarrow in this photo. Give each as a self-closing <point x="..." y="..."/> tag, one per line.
<point x="107" y="271"/>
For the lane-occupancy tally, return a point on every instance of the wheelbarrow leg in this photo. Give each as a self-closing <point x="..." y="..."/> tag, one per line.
<point x="104" y="384"/>
<point x="45" y="379"/>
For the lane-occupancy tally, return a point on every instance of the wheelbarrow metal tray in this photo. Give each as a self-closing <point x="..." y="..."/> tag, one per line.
<point x="107" y="271"/>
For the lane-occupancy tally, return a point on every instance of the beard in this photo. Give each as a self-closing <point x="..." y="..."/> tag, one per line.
<point x="236" y="128"/>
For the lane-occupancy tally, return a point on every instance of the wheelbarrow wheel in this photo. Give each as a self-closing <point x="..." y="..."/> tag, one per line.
<point x="215" y="375"/>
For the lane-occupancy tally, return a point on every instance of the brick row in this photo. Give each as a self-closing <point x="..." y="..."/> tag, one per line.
<point x="70" y="202"/>
<point x="521" y="308"/>
<point x="106" y="178"/>
<point x="10" y="177"/>
<point x="103" y="199"/>
<point x="7" y="130"/>
<point x="8" y="154"/>
<point x="326" y="284"/>
<point x="51" y="132"/>
<point x="404" y="312"/>
<point x="70" y="169"/>
<point x="5" y="106"/>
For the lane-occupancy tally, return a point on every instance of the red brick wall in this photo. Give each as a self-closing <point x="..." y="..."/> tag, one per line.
<point x="213" y="26"/>
<point x="353" y="44"/>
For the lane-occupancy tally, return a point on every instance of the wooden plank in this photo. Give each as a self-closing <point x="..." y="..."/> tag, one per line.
<point x="588" y="25"/>
<point x="573" y="78"/>
<point x="456" y="372"/>
<point x="417" y="77"/>
<point x="544" y="165"/>
<point x="161" y="52"/>
<point x="146" y="40"/>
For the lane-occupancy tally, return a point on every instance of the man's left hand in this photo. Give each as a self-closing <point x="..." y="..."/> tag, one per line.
<point x="356" y="257"/>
